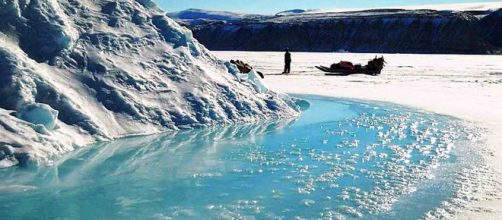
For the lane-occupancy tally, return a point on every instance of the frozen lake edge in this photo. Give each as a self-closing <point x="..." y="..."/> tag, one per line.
<point x="463" y="86"/>
<point x="128" y="161"/>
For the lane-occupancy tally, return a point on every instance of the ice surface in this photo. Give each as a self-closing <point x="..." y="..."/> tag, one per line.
<point x="464" y="86"/>
<point x="22" y="140"/>
<point x="112" y="69"/>
<point x="330" y="163"/>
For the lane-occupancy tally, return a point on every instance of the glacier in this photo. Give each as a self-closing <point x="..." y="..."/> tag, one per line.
<point x="76" y="72"/>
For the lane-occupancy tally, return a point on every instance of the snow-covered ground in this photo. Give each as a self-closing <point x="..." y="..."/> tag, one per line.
<point x="466" y="87"/>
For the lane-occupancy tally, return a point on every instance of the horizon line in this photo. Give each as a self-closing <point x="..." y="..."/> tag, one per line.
<point x="474" y="6"/>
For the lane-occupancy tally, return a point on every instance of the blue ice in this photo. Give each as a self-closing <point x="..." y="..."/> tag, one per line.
<point x="340" y="159"/>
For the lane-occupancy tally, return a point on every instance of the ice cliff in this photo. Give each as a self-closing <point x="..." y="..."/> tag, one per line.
<point x="76" y="71"/>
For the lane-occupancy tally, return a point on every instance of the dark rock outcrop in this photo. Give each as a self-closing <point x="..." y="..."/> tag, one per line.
<point x="384" y="31"/>
<point x="491" y="27"/>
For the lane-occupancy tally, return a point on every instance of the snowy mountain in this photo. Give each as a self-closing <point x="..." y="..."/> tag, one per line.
<point x="74" y="72"/>
<point x="473" y="6"/>
<point x="378" y="30"/>
<point x="294" y="12"/>
<point x="199" y="16"/>
<point x="211" y="15"/>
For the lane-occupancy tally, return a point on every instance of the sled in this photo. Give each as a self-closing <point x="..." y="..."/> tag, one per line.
<point x="344" y="72"/>
<point x="345" y="68"/>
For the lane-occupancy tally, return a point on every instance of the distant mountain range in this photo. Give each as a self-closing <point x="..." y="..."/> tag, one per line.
<point x="199" y="14"/>
<point x="477" y="30"/>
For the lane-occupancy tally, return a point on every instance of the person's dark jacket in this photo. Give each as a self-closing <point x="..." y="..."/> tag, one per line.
<point x="287" y="57"/>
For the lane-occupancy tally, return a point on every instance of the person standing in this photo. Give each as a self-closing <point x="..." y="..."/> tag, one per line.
<point x="287" y="62"/>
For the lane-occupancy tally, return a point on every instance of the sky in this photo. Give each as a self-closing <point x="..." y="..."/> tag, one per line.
<point x="274" y="6"/>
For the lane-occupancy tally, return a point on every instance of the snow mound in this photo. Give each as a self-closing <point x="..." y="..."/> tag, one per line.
<point x="75" y="72"/>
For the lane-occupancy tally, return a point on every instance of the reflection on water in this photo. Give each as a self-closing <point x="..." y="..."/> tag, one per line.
<point x="340" y="159"/>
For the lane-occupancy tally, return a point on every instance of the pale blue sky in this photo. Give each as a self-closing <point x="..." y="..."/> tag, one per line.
<point x="273" y="6"/>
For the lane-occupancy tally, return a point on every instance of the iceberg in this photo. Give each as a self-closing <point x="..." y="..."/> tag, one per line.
<point x="76" y="72"/>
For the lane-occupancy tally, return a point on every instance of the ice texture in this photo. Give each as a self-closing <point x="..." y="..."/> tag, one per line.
<point x="340" y="159"/>
<point x="108" y="69"/>
<point x="467" y="87"/>
<point x="39" y="114"/>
